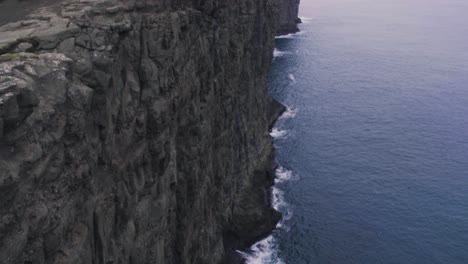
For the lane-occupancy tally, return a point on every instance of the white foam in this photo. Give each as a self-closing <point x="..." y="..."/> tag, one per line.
<point x="280" y="205"/>
<point x="291" y="35"/>
<point x="266" y="251"/>
<point x="262" y="252"/>
<point x="278" y="133"/>
<point x="277" y="196"/>
<point x="289" y="113"/>
<point x="291" y="77"/>
<point x="305" y="20"/>
<point x="278" y="53"/>
<point x="283" y="174"/>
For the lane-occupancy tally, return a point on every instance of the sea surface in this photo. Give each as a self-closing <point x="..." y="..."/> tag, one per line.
<point x="374" y="146"/>
<point x="14" y="10"/>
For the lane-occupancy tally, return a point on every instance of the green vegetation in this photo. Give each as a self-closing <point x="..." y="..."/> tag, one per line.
<point x="9" y="56"/>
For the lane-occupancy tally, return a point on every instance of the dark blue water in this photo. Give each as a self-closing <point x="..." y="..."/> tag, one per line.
<point x="379" y="144"/>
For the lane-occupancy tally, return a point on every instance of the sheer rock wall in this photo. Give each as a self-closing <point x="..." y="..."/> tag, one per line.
<point x="136" y="131"/>
<point x="288" y="16"/>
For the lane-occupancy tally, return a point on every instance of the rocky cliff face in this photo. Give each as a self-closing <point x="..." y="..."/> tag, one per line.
<point x="136" y="131"/>
<point x="288" y="16"/>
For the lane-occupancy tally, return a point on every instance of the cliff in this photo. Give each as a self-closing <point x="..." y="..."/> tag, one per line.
<point x="136" y="131"/>
<point x="288" y="17"/>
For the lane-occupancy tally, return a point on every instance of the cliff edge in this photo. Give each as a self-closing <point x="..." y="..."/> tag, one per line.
<point x="136" y="131"/>
<point x="288" y="17"/>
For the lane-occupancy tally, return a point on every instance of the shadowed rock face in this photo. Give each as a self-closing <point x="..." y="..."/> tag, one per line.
<point x="288" y="16"/>
<point x="136" y="131"/>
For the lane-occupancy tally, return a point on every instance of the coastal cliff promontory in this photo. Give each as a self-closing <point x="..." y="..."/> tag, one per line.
<point x="136" y="131"/>
<point x="288" y="17"/>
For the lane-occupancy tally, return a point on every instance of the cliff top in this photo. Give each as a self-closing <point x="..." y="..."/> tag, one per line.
<point x="42" y="26"/>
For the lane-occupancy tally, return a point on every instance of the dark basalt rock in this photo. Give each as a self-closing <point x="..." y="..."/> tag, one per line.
<point x="136" y="131"/>
<point x="288" y="17"/>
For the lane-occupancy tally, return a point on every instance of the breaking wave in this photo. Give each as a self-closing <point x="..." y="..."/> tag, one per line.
<point x="266" y="251"/>
<point x="278" y="133"/>
<point x="263" y="252"/>
<point x="278" y="53"/>
<point x="283" y="175"/>
<point x="290" y="36"/>
<point x="289" y="113"/>
<point x="305" y="20"/>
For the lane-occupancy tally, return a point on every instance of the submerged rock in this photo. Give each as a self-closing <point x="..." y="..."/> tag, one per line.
<point x="136" y="131"/>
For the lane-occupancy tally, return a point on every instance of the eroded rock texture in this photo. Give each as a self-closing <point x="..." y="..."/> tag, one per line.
<point x="288" y="16"/>
<point x="136" y="131"/>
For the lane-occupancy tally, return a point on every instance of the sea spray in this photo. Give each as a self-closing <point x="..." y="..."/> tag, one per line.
<point x="267" y="251"/>
<point x="290" y="36"/>
<point x="305" y="20"/>
<point x="289" y="113"/>
<point x="278" y="53"/>
<point x="278" y="133"/>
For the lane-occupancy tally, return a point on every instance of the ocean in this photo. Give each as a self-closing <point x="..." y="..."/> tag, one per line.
<point x="373" y="149"/>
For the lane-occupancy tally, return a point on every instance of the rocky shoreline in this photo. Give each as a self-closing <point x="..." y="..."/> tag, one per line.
<point x="136" y="131"/>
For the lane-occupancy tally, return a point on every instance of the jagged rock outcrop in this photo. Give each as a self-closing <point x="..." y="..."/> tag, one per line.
<point x="288" y="17"/>
<point x="136" y="131"/>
